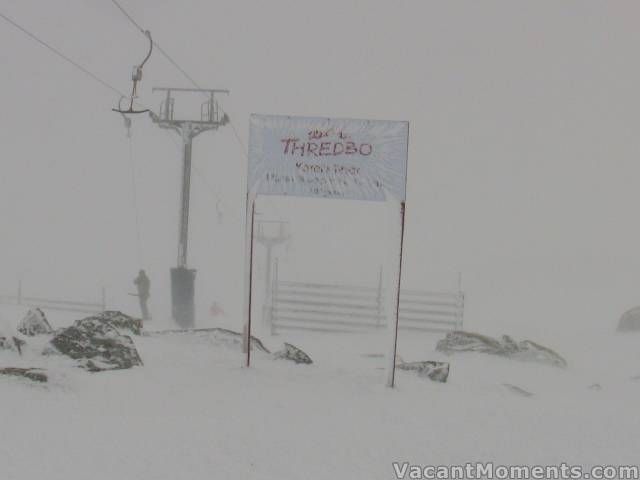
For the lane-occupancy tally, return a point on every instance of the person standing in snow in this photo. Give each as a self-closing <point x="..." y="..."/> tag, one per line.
<point x="143" y="284"/>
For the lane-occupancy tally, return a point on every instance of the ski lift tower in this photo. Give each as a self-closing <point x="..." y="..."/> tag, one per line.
<point x="211" y="117"/>
<point x="270" y="240"/>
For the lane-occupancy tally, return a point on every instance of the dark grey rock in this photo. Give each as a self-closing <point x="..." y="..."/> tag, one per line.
<point x="630" y="321"/>
<point x="528" y="350"/>
<point x="33" y="374"/>
<point x="122" y="321"/>
<point x="470" y="342"/>
<point x="293" y="353"/>
<point x="508" y="344"/>
<point x="507" y="347"/>
<point x="35" y="323"/>
<point x="517" y="390"/>
<point x="96" y="346"/>
<point x="436" y="371"/>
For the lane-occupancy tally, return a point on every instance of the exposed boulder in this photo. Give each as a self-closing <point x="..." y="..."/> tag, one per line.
<point x="469" y="342"/>
<point x="12" y="343"/>
<point x="630" y="321"/>
<point x="506" y="347"/>
<point x="293" y="353"/>
<point x="122" y="322"/>
<point x="33" y="374"/>
<point x="436" y="371"/>
<point x="96" y="346"/>
<point x="528" y="350"/>
<point x="517" y="390"/>
<point x="35" y="323"/>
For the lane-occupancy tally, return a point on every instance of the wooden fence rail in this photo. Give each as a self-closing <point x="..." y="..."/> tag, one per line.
<point x="54" y="304"/>
<point x="352" y="308"/>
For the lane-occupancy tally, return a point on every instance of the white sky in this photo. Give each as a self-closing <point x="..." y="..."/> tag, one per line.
<point x="523" y="152"/>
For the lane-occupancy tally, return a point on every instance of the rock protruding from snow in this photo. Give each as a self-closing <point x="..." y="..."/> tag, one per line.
<point x="469" y="342"/>
<point x="120" y="321"/>
<point x="12" y="343"/>
<point x="33" y="374"/>
<point x="506" y="347"/>
<point x="35" y="323"/>
<point x="630" y="321"/>
<point x="528" y="350"/>
<point x="123" y="322"/>
<point x="293" y="353"/>
<point x="517" y="390"/>
<point x="436" y="371"/>
<point x="96" y="346"/>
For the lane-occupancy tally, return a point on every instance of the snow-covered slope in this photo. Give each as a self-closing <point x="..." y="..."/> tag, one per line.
<point x="193" y="412"/>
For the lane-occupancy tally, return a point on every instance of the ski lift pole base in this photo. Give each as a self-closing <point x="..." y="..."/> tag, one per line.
<point x="182" y="296"/>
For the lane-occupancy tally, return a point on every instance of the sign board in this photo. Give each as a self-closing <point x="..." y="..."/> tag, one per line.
<point x="328" y="158"/>
<point x="319" y="157"/>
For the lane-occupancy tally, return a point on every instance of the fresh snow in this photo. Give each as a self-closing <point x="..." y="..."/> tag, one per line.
<point x="193" y="412"/>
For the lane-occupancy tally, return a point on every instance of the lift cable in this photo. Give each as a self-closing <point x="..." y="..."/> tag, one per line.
<point x="64" y="57"/>
<point x="180" y="69"/>
<point x="110" y="87"/>
<point x="60" y="54"/>
<point x="219" y="201"/>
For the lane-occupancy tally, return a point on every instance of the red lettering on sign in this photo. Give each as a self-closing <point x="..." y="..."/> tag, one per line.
<point x="365" y="149"/>
<point x="325" y="149"/>
<point x="297" y="147"/>
<point x="350" y="148"/>
<point x="312" y="148"/>
<point x="287" y="142"/>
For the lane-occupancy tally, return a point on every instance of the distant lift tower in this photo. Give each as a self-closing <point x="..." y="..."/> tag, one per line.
<point x="182" y="277"/>
<point x="270" y="240"/>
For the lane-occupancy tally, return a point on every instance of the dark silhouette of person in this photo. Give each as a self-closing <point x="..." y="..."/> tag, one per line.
<point x="144" y="285"/>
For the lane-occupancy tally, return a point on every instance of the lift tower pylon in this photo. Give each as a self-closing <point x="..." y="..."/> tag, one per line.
<point x="211" y="118"/>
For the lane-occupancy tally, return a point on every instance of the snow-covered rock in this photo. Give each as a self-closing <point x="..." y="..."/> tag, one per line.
<point x="122" y="321"/>
<point x="436" y="371"/>
<point x="469" y="342"/>
<point x="630" y="321"/>
<point x="517" y="390"/>
<point x="507" y="347"/>
<point x="33" y="374"/>
<point x="34" y="323"/>
<point x="532" y="351"/>
<point x="96" y="346"/>
<point x="293" y="353"/>
<point x="12" y="343"/>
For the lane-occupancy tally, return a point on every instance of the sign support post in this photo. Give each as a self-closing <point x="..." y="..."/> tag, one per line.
<point x="391" y="369"/>
<point x="251" y="214"/>
<point x="344" y="159"/>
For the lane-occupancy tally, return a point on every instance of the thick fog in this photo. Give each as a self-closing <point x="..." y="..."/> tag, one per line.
<point x="523" y="154"/>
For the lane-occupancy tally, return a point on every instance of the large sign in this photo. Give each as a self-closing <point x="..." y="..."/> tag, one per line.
<point x="327" y="157"/>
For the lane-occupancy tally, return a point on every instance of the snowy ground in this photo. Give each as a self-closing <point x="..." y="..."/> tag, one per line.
<point x="193" y="412"/>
